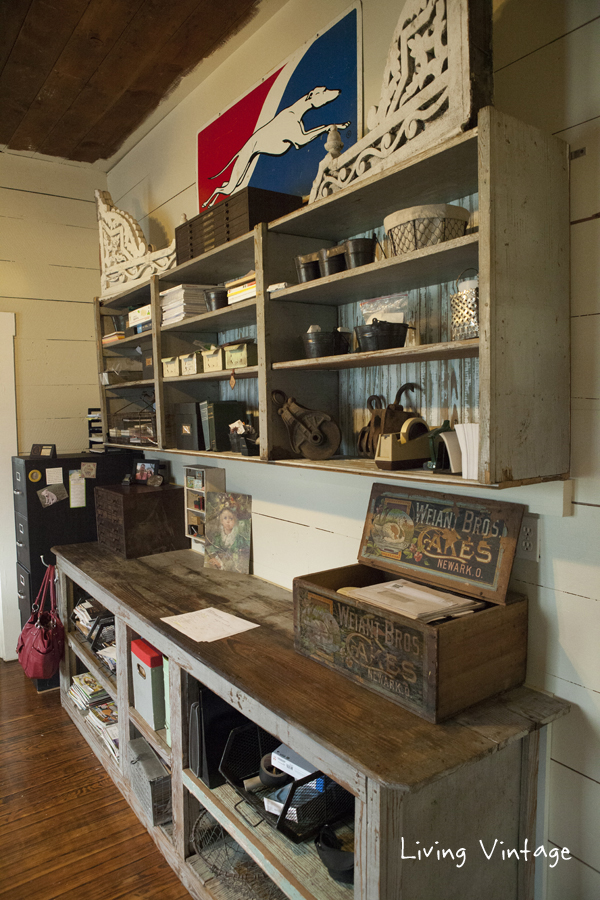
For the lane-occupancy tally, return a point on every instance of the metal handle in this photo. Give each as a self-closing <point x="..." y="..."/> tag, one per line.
<point x="19" y="544"/>
<point x="17" y="492"/>
<point x="21" y="596"/>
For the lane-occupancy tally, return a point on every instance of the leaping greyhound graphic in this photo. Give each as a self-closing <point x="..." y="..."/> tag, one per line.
<point x="275" y="138"/>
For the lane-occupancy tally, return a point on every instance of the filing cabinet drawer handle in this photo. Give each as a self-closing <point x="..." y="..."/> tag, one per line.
<point x="21" y="595"/>
<point x="19" y="544"/>
<point x="17" y="492"/>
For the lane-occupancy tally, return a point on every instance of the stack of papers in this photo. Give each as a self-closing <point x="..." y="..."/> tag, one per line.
<point x="183" y="302"/>
<point x="468" y="438"/>
<point x="413" y="600"/>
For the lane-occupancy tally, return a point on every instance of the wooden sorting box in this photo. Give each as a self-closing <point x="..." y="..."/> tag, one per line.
<point x="464" y="545"/>
<point x="229" y="219"/>
<point x="138" y="520"/>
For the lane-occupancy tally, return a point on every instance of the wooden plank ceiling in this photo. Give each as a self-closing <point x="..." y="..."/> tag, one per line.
<point x="77" y="77"/>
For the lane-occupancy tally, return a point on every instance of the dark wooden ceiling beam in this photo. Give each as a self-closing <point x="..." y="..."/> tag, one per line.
<point x="136" y="51"/>
<point x="100" y="27"/>
<point x="208" y="28"/>
<point x="44" y="31"/>
<point x="13" y="16"/>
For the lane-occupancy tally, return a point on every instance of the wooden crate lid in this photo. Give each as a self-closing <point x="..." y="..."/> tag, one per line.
<point x="457" y="543"/>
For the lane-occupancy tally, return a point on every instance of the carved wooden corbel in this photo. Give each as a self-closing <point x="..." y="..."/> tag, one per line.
<point x="438" y="74"/>
<point x="126" y="258"/>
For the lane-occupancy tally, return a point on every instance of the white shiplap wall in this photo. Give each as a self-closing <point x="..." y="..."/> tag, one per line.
<point x="547" y="73"/>
<point x="48" y="278"/>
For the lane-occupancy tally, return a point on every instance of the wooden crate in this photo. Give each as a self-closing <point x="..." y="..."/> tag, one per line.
<point x="432" y="669"/>
<point x="138" y="520"/>
<point x="230" y="219"/>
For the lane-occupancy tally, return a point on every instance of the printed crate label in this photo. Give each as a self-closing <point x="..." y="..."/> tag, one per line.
<point x="367" y="645"/>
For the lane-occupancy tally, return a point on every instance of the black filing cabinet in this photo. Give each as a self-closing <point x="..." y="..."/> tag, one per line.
<point x="38" y="528"/>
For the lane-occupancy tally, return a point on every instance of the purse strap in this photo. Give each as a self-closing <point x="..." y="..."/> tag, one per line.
<point x="47" y="589"/>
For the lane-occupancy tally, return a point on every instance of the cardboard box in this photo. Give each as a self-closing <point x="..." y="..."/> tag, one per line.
<point x="140" y="316"/>
<point x="213" y="359"/>
<point x="464" y="545"/>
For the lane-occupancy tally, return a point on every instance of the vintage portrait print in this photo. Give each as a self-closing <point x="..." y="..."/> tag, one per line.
<point x="228" y="532"/>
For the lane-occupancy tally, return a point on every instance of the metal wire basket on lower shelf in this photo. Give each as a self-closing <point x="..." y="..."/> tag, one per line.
<point x="229" y="863"/>
<point x="307" y="805"/>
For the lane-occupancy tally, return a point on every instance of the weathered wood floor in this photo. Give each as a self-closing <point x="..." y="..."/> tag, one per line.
<point x="65" y="830"/>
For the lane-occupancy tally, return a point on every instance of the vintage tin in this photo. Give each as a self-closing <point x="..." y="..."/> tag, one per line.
<point x="170" y="366"/>
<point x="148" y="683"/>
<point x="463" y="545"/>
<point x="213" y="359"/>
<point x="191" y="363"/>
<point x="240" y="354"/>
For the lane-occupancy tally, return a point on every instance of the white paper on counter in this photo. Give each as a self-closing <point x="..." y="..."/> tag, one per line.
<point x="208" y="624"/>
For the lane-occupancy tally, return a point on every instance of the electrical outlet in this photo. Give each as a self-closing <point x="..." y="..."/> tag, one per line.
<point x="527" y="545"/>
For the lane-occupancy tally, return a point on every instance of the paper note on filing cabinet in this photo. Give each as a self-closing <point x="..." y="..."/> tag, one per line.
<point x="209" y="624"/>
<point x="413" y="600"/>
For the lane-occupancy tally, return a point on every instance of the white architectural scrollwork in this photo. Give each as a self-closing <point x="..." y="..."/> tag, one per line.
<point x="126" y="258"/>
<point x="425" y="95"/>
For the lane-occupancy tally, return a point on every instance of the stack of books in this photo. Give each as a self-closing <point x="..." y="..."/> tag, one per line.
<point x="86" y="692"/>
<point x="413" y="600"/>
<point x="104" y="719"/>
<point x="112" y="338"/>
<point x="243" y="288"/>
<point x="183" y="302"/>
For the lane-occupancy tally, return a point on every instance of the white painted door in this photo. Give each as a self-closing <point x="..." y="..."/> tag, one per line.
<point x="10" y="622"/>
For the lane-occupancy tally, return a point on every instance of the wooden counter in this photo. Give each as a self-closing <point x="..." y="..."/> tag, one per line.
<point x="472" y="778"/>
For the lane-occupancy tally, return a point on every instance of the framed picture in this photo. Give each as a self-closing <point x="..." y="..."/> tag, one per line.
<point x="41" y="451"/>
<point x="143" y="469"/>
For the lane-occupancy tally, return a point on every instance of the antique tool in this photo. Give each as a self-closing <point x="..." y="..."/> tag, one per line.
<point x="384" y="420"/>
<point x="312" y="433"/>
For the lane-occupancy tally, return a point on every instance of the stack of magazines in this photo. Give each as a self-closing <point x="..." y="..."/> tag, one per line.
<point x="413" y="600"/>
<point x="103" y="719"/>
<point x="85" y="691"/>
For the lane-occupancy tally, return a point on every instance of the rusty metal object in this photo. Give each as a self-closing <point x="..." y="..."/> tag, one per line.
<point x="313" y="434"/>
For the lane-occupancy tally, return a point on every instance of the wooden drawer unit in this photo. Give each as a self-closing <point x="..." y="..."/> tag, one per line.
<point x="138" y="520"/>
<point x="230" y="219"/>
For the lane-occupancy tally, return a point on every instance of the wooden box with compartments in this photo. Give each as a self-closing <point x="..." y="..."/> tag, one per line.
<point x="440" y="631"/>
<point x="229" y="219"/>
<point x="138" y="520"/>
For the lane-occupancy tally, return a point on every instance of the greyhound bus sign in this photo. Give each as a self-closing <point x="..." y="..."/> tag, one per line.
<point x="273" y="137"/>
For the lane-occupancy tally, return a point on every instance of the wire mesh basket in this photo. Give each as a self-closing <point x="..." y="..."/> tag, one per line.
<point x="422" y="226"/>
<point x="150" y="781"/>
<point x="306" y="806"/>
<point x="228" y="862"/>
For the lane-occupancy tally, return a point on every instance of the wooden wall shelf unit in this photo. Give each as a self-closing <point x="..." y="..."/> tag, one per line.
<point x="473" y="777"/>
<point x="513" y="380"/>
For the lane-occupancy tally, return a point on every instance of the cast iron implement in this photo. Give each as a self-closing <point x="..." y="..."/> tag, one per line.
<point x="312" y="433"/>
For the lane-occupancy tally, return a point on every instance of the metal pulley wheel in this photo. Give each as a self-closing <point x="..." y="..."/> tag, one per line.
<point x="312" y="433"/>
